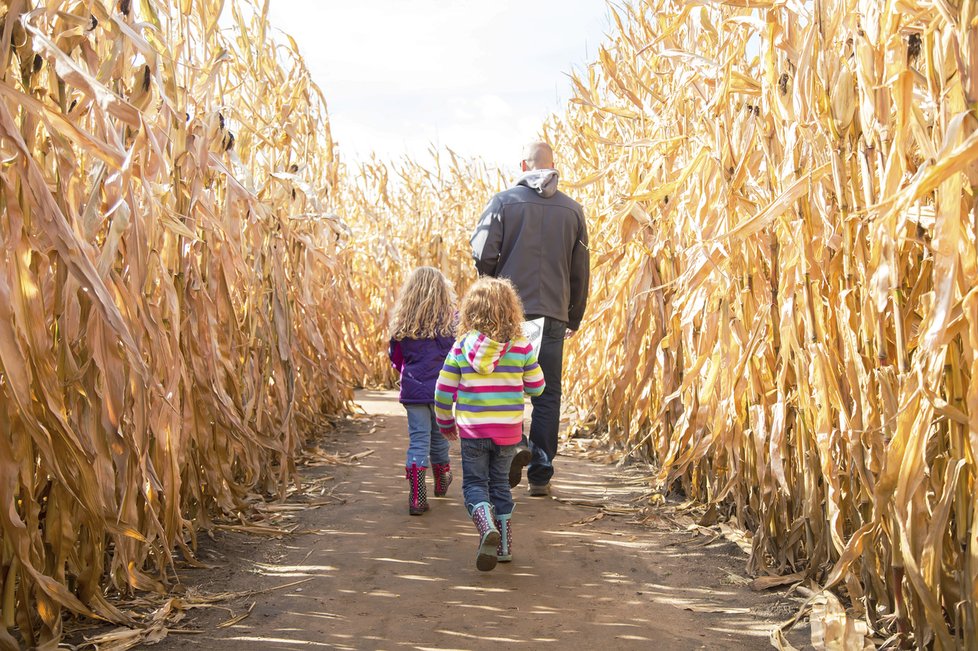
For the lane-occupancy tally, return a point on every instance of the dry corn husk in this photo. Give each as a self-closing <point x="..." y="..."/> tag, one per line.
<point x="169" y="280"/>
<point x="781" y="199"/>
<point x="789" y="327"/>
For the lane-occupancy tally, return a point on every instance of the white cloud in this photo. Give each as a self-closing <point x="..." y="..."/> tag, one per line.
<point x="494" y="107"/>
<point x="479" y="77"/>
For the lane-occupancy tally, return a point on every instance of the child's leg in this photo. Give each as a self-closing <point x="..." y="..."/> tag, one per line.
<point x="439" y="444"/>
<point x="502" y="498"/>
<point x="499" y="492"/>
<point x="475" y="471"/>
<point x="441" y="470"/>
<point x="476" y="457"/>
<point x="419" y="435"/>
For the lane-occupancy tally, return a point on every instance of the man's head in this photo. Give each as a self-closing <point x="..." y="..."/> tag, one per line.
<point x="537" y="156"/>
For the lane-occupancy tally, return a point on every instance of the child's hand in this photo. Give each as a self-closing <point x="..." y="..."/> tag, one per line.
<point x="450" y="434"/>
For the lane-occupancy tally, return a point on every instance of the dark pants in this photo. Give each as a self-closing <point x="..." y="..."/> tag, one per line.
<point x="546" y="407"/>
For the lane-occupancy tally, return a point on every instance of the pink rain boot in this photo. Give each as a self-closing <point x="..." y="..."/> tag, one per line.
<point x="443" y="478"/>
<point x="418" y="500"/>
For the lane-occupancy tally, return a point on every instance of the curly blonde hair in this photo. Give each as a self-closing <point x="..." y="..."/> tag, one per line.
<point x="425" y="307"/>
<point x="492" y="307"/>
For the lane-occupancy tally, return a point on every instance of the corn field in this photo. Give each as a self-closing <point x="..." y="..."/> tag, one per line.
<point x="783" y="309"/>
<point x="783" y="315"/>
<point x="402" y="216"/>
<point x="168" y="289"/>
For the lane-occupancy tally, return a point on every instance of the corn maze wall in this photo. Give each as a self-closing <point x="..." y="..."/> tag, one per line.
<point x="169" y="285"/>
<point x="783" y="312"/>
<point x="403" y="215"/>
<point x="781" y="198"/>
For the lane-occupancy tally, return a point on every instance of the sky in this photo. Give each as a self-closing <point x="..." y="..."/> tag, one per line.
<point x="477" y="76"/>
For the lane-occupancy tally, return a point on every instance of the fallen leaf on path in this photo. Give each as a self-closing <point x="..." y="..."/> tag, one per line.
<point x="832" y="628"/>
<point x="765" y="582"/>
<point x="779" y="641"/>
<point x="316" y="456"/>
<point x="696" y="608"/>
<point x="709" y="518"/>
<point x="588" y="520"/>
<point x="257" y="530"/>
<point x="737" y="537"/>
<point x="237" y="618"/>
<point x="736" y="579"/>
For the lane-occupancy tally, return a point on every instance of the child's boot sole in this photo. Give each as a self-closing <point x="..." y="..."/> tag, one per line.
<point x="486" y="560"/>
<point x="520" y="461"/>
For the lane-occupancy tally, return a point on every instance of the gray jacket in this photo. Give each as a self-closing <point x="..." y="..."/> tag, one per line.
<point x="536" y="236"/>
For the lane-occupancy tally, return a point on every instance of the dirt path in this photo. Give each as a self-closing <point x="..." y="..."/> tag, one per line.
<point x="380" y="579"/>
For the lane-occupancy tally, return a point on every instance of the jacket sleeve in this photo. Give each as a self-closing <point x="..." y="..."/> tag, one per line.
<point x="533" y="382"/>
<point x="487" y="240"/>
<point x="396" y="355"/>
<point x="446" y="390"/>
<point x="580" y="279"/>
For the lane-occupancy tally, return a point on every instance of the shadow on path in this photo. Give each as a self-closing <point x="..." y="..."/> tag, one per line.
<point x="380" y="579"/>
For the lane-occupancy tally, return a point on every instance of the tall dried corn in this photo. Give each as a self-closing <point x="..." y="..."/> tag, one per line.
<point x="168" y="289"/>
<point x="783" y="313"/>
<point x="783" y="310"/>
<point x="404" y="215"/>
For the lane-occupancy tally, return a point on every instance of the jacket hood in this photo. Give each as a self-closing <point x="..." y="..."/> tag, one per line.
<point x="543" y="182"/>
<point x="482" y="352"/>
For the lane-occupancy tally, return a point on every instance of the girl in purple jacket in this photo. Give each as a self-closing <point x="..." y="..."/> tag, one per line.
<point x="422" y="334"/>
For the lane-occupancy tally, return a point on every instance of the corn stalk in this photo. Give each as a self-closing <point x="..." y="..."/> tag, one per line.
<point x="781" y="198"/>
<point x="783" y="314"/>
<point x="168" y="285"/>
<point x="403" y="215"/>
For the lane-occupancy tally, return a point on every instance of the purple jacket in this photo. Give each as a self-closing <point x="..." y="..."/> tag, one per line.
<point x="419" y="361"/>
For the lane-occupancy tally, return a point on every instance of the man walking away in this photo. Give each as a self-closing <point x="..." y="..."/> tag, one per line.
<point x="535" y="235"/>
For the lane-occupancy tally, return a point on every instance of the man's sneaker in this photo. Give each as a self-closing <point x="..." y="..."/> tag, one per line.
<point x="520" y="460"/>
<point x="540" y="490"/>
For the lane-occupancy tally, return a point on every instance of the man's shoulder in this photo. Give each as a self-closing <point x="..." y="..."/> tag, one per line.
<point x="518" y="193"/>
<point x="523" y="194"/>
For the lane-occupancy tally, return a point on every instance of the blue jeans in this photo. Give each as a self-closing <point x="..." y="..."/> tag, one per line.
<point x="426" y="442"/>
<point x="485" y="474"/>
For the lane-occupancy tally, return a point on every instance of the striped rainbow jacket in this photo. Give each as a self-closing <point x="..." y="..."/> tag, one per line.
<point x="487" y="379"/>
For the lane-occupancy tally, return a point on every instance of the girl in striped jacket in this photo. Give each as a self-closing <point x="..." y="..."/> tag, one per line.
<point x="485" y="376"/>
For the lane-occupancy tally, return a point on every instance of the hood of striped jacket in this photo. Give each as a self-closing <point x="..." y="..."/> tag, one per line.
<point x="482" y="352"/>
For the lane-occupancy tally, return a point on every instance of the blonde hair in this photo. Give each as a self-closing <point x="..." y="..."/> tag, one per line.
<point x="425" y="307"/>
<point x="492" y="307"/>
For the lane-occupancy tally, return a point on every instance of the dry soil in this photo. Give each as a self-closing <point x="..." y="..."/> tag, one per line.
<point x="380" y="579"/>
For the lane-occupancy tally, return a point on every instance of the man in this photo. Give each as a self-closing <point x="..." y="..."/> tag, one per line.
<point x="536" y="236"/>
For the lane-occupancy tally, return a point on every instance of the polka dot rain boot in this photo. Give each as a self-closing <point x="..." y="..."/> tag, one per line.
<point x="418" y="497"/>
<point x="488" y="536"/>
<point x="442" y="473"/>
<point x="504" y="552"/>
